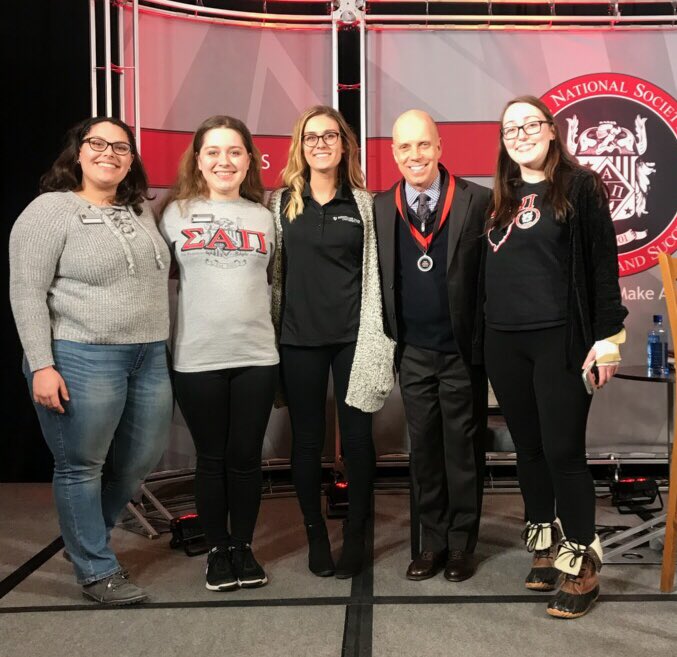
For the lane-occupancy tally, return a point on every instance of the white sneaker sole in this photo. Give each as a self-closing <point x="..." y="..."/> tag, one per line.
<point x="230" y="586"/>
<point x="252" y="583"/>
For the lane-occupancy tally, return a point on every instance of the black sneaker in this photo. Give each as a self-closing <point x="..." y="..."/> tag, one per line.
<point x="249" y="573"/>
<point x="220" y="575"/>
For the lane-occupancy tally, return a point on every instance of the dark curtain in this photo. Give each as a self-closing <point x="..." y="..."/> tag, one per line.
<point x="45" y="91"/>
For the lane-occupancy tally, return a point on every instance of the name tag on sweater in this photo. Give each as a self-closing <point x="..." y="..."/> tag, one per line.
<point x="90" y="218"/>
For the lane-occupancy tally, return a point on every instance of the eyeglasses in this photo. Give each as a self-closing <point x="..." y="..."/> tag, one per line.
<point x="100" y="145"/>
<point x="531" y="128"/>
<point x="329" y="138"/>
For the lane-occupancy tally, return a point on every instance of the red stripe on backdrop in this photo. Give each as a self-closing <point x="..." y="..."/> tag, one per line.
<point x="162" y="150"/>
<point x="468" y="149"/>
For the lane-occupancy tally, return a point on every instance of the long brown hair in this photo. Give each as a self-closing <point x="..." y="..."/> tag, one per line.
<point x="296" y="173"/>
<point x="190" y="183"/>
<point x="559" y="167"/>
<point x="66" y="173"/>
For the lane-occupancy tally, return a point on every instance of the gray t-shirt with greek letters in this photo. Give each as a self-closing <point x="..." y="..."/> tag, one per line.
<point x="223" y="250"/>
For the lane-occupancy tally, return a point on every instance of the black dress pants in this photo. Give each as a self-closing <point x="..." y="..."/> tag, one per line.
<point x="305" y="373"/>
<point x="446" y="417"/>
<point x="227" y="413"/>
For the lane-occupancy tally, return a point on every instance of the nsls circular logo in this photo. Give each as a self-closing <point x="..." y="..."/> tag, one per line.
<point x="625" y="129"/>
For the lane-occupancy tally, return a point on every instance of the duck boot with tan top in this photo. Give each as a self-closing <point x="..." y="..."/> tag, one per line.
<point x="580" y="588"/>
<point x="542" y="540"/>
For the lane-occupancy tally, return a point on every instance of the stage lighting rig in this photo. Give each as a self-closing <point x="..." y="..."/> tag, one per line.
<point x="187" y="533"/>
<point x="348" y="12"/>
<point x="635" y="494"/>
<point x="337" y="497"/>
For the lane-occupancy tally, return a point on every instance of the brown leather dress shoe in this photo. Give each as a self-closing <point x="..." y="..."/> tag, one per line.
<point x="426" y="565"/>
<point x="459" y="566"/>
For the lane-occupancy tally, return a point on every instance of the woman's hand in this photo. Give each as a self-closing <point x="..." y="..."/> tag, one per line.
<point x="49" y="389"/>
<point x="606" y="372"/>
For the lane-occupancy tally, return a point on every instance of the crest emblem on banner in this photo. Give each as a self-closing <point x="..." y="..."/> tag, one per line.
<point x="625" y="129"/>
<point x="615" y="152"/>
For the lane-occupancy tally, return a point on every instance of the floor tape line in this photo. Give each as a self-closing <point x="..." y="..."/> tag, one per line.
<point x="22" y="572"/>
<point x="356" y="603"/>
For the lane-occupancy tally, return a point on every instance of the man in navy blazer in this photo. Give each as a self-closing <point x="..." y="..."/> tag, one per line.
<point x="430" y="239"/>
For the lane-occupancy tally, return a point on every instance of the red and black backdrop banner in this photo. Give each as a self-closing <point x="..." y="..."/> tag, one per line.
<point x="613" y="94"/>
<point x="473" y="154"/>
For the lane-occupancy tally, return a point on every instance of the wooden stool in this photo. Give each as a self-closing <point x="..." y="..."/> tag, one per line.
<point x="668" y="267"/>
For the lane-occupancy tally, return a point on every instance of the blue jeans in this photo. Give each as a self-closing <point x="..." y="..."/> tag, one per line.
<point x="111" y="436"/>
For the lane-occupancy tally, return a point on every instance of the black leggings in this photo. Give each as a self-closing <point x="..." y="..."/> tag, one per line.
<point x="227" y="413"/>
<point x="305" y="372"/>
<point x="546" y="408"/>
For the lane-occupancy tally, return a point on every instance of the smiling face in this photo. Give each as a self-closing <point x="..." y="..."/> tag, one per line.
<point x="529" y="152"/>
<point x="103" y="171"/>
<point x="417" y="149"/>
<point x="320" y="157"/>
<point x="223" y="161"/>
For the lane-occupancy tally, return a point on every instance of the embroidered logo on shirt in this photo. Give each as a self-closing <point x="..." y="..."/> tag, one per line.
<point x="527" y="215"/>
<point x="350" y="220"/>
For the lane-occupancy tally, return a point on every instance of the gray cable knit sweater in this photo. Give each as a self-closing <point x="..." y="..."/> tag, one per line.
<point x="372" y="373"/>
<point x="87" y="274"/>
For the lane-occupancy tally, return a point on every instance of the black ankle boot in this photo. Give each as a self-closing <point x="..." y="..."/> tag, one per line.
<point x="352" y="555"/>
<point x="320" y="561"/>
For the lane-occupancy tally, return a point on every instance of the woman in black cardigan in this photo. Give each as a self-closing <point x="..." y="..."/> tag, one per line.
<point x="554" y="320"/>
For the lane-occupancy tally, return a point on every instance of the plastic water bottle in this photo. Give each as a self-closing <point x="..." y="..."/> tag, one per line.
<point x="657" y="349"/>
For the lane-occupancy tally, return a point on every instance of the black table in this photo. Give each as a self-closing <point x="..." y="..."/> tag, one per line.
<point x="641" y="373"/>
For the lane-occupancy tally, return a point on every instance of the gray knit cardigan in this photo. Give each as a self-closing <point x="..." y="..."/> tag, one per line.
<point x="372" y="375"/>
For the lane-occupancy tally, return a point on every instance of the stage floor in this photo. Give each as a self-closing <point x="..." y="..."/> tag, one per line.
<point x="378" y="613"/>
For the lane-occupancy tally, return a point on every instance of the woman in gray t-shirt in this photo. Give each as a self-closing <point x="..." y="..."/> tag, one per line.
<point x="224" y="354"/>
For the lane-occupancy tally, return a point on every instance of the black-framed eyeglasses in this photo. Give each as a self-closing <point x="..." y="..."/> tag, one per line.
<point x="100" y="145"/>
<point x="530" y="128"/>
<point x="329" y="138"/>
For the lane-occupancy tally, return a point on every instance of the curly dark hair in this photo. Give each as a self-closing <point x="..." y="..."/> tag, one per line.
<point x="66" y="173"/>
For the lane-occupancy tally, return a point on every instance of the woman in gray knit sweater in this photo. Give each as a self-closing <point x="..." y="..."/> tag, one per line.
<point x="88" y="286"/>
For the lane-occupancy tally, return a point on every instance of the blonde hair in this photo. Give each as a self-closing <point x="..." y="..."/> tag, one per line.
<point x="190" y="183"/>
<point x="296" y="173"/>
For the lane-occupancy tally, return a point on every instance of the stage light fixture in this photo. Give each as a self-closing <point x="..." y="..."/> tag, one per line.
<point x="187" y="533"/>
<point x="633" y="494"/>
<point x="337" y="497"/>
